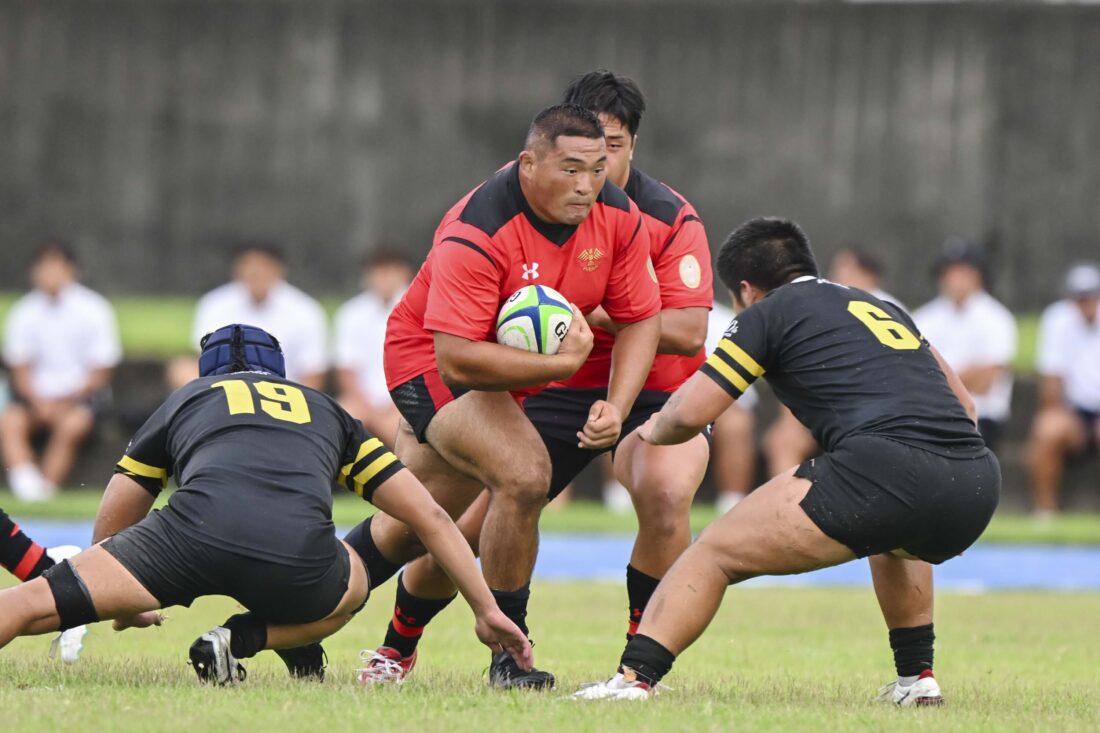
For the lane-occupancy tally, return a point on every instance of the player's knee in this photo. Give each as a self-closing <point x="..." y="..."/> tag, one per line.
<point x="664" y="509"/>
<point x="528" y="483"/>
<point x="71" y="596"/>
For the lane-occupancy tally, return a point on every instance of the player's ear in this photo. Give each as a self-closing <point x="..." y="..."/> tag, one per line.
<point x="527" y="161"/>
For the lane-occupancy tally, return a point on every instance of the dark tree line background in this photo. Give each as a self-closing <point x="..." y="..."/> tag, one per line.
<point x="154" y="132"/>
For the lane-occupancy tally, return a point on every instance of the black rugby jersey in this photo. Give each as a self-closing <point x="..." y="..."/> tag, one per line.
<point x="255" y="457"/>
<point x="845" y="363"/>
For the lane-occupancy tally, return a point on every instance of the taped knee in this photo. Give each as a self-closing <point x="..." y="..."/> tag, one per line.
<point x="71" y="596"/>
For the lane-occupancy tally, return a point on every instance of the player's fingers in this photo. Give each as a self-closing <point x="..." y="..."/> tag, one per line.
<point x="597" y="410"/>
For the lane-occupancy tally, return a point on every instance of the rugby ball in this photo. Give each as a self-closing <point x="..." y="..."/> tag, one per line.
<point x="535" y="318"/>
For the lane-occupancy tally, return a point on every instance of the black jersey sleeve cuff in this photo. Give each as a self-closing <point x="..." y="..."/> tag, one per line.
<point x="373" y="465"/>
<point x="721" y="381"/>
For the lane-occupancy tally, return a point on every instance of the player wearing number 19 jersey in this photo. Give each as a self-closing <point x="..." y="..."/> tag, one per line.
<point x="905" y="475"/>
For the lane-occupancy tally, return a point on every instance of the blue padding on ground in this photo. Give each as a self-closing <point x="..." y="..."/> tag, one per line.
<point x="599" y="557"/>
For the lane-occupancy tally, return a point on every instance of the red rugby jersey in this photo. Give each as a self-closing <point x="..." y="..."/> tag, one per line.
<point x="681" y="259"/>
<point x="490" y="244"/>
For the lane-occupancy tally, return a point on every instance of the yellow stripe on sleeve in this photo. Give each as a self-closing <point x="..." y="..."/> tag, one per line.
<point x="738" y="354"/>
<point x="363" y="477"/>
<point x="143" y="469"/>
<point x="716" y="363"/>
<point x="364" y="450"/>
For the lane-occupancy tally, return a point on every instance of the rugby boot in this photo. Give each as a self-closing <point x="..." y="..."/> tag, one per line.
<point x="385" y="666"/>
<point x="924" y="692"/>
<point x="214" y="663"/>
<point x="623" y="686"/>
<point x="305" y="662"/>
<point x="505" y="674"/>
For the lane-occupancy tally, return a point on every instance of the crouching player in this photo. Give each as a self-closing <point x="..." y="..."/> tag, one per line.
<point x="255" y="457"/>
<point x="905" y="471"/>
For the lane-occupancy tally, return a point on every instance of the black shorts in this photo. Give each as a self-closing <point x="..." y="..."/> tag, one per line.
<point x="177" y="567"/>
<point x="559" y="413"/>
<point x="1091" y="419"/>
<point x="876" y="495"/>
<point x="420" y="398"/>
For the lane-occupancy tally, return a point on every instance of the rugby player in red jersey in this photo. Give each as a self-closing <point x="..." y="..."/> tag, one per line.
<point x="662" y="479"/>
<point x="551" y="219"/>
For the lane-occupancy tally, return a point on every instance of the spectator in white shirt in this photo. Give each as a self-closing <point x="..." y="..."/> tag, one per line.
<point x="260" y="296"/>
<point x="733" y="452"/>
<point x="360" y="336"/>
<point x="787" y="442"/>
<point x="1068" y="420"/>
<point x="974" y="332"/>
<point x="61" y="344"/>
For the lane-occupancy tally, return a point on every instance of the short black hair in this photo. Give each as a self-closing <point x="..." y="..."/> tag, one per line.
<point x="54" y="247"/>
<point x="259" y="246"/>
<point x="766" y="252"/>
<point x="604" y="93"/>
<point x="385" y="257"/>
<point x="568" y="120"/>
<point x="866" y="261"/>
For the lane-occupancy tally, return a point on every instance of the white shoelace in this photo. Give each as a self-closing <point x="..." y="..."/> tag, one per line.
<point x="379" y="668"/>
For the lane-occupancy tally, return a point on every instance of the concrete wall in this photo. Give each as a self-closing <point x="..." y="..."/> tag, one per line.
<point x="154" y="131"/>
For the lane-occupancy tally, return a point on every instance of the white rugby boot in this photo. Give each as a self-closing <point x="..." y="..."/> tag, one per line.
<point x="214" y="663"/>
<point x="623" y="686"/>
<point x="925" y="691"/>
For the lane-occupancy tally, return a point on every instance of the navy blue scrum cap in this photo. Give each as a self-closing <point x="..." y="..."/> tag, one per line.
<point x="240" y="348"/>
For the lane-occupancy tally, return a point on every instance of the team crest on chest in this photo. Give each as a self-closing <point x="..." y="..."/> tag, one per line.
<point x="590" y="258"/>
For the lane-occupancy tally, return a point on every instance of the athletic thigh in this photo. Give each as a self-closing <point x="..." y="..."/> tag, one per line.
<point x="113" y="588"/>
<point x="452" y="489"/>
<point x="486" y="436"/>
<point x="768" y="533"/>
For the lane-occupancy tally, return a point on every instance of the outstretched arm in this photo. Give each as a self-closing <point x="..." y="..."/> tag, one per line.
<point x="404" y="498"/>
<point x="691" y="408"/>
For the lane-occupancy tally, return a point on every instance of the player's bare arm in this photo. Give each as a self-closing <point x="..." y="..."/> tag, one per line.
<point x="957" y="386"/>
<point x="683" y="330"/>
<point x="125" y="503"/>
<point x="489" y="366"/>
<point x="690" y="409"/>
<point x="404" y="498"/>
<point x="631" y="360"/>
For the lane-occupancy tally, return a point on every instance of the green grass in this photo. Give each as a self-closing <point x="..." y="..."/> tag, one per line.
<point x="773" y="660"/>
<point x="160" y="326"/>
<point x="590" y="517"/>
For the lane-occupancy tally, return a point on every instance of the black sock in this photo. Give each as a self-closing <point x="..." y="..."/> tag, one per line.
<point x="513" y="603"/>
<point x="912" y="649"/>
<point x="23" y="557"/>
<point x="649" y="660"/>
<point x="410" y="615"/>
<point x="248" y="635"/>
<point x="639" y="589"/>
<point x="379" y="569"/>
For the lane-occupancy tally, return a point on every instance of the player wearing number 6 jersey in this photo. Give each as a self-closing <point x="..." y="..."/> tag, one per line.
<point x="255" y="457"/>
<point x="904" y="475"/>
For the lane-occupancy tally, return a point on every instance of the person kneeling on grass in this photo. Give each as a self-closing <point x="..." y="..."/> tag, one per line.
<point x="905" y="476"/>
<point x="255" y="457"/>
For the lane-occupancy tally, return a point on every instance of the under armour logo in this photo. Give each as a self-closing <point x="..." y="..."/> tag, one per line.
<point x="531" y="272"/>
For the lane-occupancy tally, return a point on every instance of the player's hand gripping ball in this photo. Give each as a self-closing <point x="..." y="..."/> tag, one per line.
<point x="535" y="318"/>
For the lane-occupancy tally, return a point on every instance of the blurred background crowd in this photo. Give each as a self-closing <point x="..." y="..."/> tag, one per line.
<point x="256" y="162"/>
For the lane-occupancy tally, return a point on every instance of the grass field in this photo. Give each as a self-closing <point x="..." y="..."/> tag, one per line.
<point x="160" y="326"/>
<point x="591" y="517"/>
<point x="773" y="660"/>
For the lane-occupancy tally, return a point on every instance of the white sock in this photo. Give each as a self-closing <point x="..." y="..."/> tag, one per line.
<point x="908" y="681"/>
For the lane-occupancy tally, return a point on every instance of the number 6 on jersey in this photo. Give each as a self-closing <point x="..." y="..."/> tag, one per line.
<point x="886" y="329"/>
